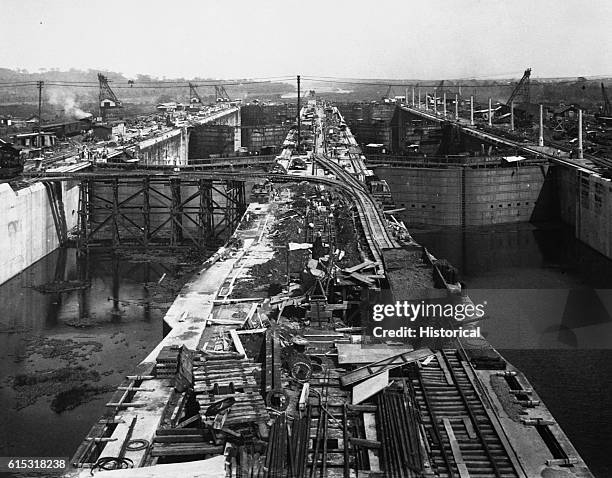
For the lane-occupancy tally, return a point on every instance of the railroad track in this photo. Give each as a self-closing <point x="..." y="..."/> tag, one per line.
<point x="374" y="226"/>
<point x="462" y="439"/>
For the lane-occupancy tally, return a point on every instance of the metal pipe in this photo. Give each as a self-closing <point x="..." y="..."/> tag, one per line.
<point x="490" y="113"/>
<point x="413" y="96"/>
<point x="345" y="437"/>
<point x="324" y="457"/>
<point x="419" y="98"/>
<point x="512" y="115"/>
<point x="426" y="102"/>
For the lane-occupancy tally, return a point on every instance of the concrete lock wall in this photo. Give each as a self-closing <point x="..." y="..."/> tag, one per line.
<point x="207" y="139"/>
<point x="168" y="148"/>
<point x="27" y="229"/>
<point x="470" y="197"/>
<point x="585" y="202"/>
<point x="254" y="138"/>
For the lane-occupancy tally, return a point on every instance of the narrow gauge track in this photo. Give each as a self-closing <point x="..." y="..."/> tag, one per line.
<point x="462" y="438"/>
<point x="374" y="225"/>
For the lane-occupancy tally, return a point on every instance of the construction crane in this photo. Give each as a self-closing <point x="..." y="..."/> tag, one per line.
<point x="107" y="99"/>
<point x="605" y="115"/>
<point x="221" y="94"/>
<point x="522" y="88"/>
<point x="195" y="101"/>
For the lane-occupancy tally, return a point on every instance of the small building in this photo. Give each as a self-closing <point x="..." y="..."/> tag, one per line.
<point x="108" y="131"/>
<point x="44" y="139"/>
<point x="5" y="120"/>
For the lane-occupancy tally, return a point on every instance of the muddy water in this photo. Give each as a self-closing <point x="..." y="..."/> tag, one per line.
<point x="83" y="341"/>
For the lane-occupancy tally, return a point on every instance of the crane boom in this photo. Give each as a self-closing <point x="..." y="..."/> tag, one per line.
<point x="194" y="97"/>
<point x="607" y="108"/>
<point x="523" y="85"/>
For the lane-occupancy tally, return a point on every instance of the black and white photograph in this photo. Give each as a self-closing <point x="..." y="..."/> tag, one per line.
<point x="306" y="239"/>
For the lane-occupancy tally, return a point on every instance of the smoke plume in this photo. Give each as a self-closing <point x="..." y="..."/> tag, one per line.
<point x="67" y="101"/>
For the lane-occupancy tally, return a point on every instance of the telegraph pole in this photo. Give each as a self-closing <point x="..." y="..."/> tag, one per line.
<point x="40" y="87"/>
<point x="299" y="119"/>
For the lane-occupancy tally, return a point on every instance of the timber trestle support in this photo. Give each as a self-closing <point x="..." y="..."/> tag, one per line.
<point x="153" y="212"/>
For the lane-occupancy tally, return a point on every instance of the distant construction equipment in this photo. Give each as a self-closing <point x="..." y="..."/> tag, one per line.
<point x="108" y="101"/>
<point x="522" y="89"/>
<point x="221" y="95"/>
<point x="605" y="116"/>
<point x="194" y="96"/>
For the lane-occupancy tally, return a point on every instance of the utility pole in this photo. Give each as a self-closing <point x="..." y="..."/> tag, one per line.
<point x="472" y="110"/>
<point x="299" y="119"/>
<point x="40" y="87"/>
<point x="541" y="137"/>
<point x="435" y="102"/>
<point x="456" y="106"/>
<point x="444" y="101"/>
<point x="580" y="149"/>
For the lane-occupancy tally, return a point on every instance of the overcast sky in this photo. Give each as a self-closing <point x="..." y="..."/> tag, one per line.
<point x="429" y="39"/>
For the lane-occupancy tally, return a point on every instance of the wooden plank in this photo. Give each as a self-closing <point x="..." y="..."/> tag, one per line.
<point x="193" y="438"/>
<point x="387" y="364"/>
<point x="358" y="267"/>
<point x="251" y="331"/>
<point x="237" y="342"/>
<point x="369" y="422"/>
<point x="365" y="443"/>
<point x="304" y="396"/>
<point x="364" y="390"/>
<point x="447" y="375"/>
<point x="457" y="455"/>
<point x="469" y="428"/>
<point x="251" y="313"/>
<point x="185" y="449"/>
<point x="362" y="278"/>
<point x="360" y="354"/>
<point x="211" y="468"/>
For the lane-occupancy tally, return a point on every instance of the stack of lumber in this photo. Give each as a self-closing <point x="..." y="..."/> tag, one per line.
<point x="183" y="441"/>
<point x="166" y="363"/>
<point x="215" y="380"/>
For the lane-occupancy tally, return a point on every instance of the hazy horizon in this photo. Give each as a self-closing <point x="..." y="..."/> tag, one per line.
<point x="468" y="39"/>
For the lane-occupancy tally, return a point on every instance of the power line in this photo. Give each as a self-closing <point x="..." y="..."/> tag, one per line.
<point x="435" y="85"/>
